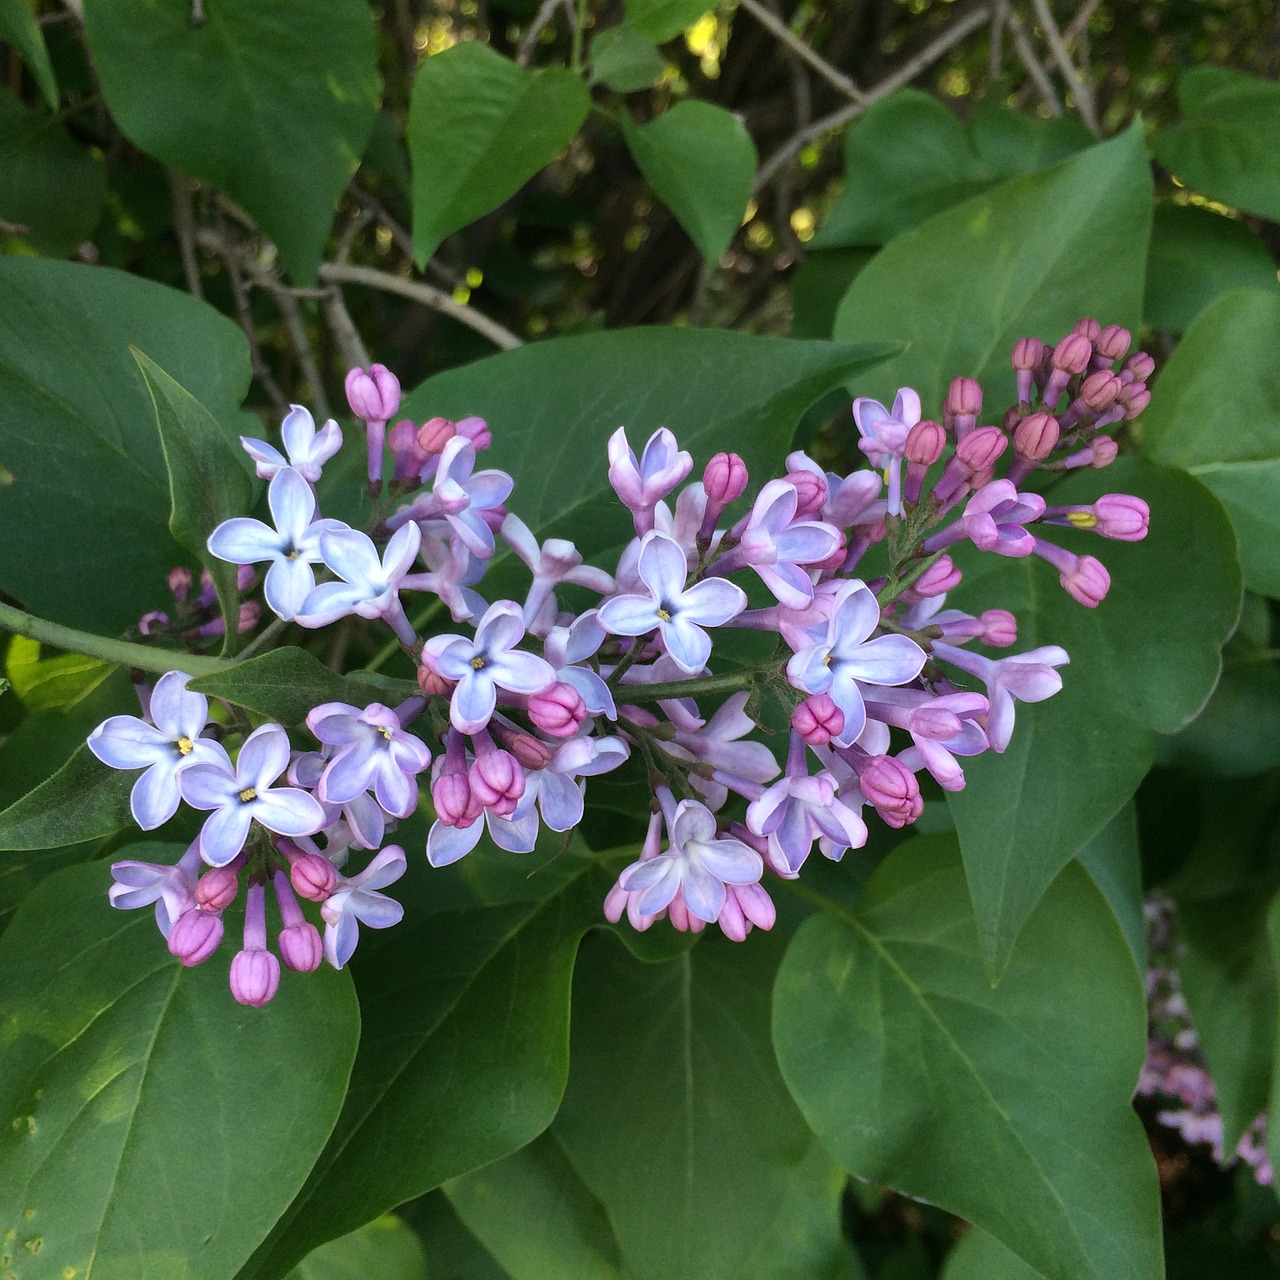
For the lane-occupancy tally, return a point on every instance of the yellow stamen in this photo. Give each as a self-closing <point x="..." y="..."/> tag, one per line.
<point x="1083" y="519"/>
<point x="386" y="733"/>
<point x="664" y="615"/>
<point x="478" y="664"/>
<point x="185" y="746"/>
<point x="248" y="794"/>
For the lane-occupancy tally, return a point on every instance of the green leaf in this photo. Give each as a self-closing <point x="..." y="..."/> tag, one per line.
<point x="1196" y="257"/>
<point x="906" y="159"/>
<point x="453" y="1253"/>
<point x="77" y="432"/>
<point x="158" y="1127"/>
<point x="1215" y="410"/>
<point x="1013" y="143"/>
<point x="1237" y="735"/>
<point x="818" y="284"/>
<point x="19" y="27"/>
<point x="624" y="61"/>
<point x="479" y="128"/>
<point x="1225" y="147"/>
<point x="979" y="1256"/>
<point x="1076" y="758"/>
<point x="1030" y="256"/>
<point x="672" y="1065"/>
<point x="918" y="1075"/>
<point x="52" y="684"/>
<point x="286" y="683"/>
<point x="464" y="1043"/>
<point x="661" y="20"/>
<point x="533" y="1213"/>
<point x="49" y="184"/>
<point x="1229" y="981"/>
<point x="84" y="800"/>
<point x="1113" y="859"/>
<point x="385" y="1249"/>
<point x="263" y="102"/>
<point x="700" y="160"/>
<point x="209" y="481"/>
<point x="552" y="406"/>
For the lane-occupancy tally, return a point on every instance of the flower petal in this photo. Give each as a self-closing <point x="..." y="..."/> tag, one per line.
<point x="245" y="541"/>
<point x="224" y="833"/>
<point x="288" y="811"/>
<point x="155" y="795"/>
<point x="662" y="567"/>
<point x="263" y="757"/>
<point x="125" y="742"/>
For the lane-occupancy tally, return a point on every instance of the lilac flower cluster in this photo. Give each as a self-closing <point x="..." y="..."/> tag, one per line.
<point x="527" y="698"/>
<point x="1174" y="1071"/>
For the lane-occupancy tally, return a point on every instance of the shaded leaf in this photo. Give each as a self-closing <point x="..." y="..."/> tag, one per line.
<point x="979" y="1256"/>
<point x="84" y="800"/>
<point x="624" y="60"/>
<point x="52" y="684"/>
<point x="1113" y="859"/>
<point x="385" y="1249"/>
<point x="1013" y="143"/>
<point x="661" y="20"/>
<point x="19" y="27"/>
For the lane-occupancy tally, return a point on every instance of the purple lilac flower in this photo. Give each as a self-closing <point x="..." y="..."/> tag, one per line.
<point x="678" y="615"/>
<point x="372" y="753"/>
<point x="1027" y="677"/>
<point x="356" y="901"/>
<point x="884" y="437"/>
<point x="846" y="659"/>
<point x="292" y="547"/>
<point x="166" y="746"/>
<point x="244" y="795"/>
<point x="485" y="664"/>
<point x="171" y="888"/>
<point x="795" y="811"/>
<point x="642" y="484"/>
<point x="308" y="449"/>
<point x="555" y="561"/>
<point x="567" y="650"/>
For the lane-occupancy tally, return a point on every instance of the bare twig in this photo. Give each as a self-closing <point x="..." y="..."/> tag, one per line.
<point x="426" y="294"/>
<point x="184" y="226"/>
<point x="776" y="27"/>
<point x="1076" y="27"/>
<point x="995" y="56"/>
<point x="344" y="330"/>
<point x="1035" y="68"/>
<point x="1082" y="92"/>
<point x="541" y="20"/>
<point x="930" y="54"/>
<point x="287" y="301"/>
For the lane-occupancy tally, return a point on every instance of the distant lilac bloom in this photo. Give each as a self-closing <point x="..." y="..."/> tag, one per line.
<point x="171" y="888"/>
<point x="1026" y="677"/>
<point x="372" y="753"/>
<point x="678" y="615"/>
<point x="556" y="560"/>
<point x="292" y="547"/>
<point x="884" y="437"/>
<point x="308" y="449"/>
<point x="698" y="864"/>
<point x="642" y="483"/>
<point x="847" y="658"/>
<point x="246" y="795"/>
<point x="165" y="747"/>
<point x="370" y="585"/>
<point x="356" y="901"/>
<point x="487" y="663"/>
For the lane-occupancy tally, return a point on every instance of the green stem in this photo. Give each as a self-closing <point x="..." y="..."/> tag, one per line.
<point x="579" y="24"/>
<point x="730" y="682"/>
<point x="124" y="652"/>
<point x="628" y="659"/>
<point x="262" y="639"/>
<point x="898" y="583"/>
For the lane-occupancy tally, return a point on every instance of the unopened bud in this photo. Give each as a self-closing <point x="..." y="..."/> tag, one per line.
<point x="497" y="781"/>
<point x="195" y="936"/>
<point x="246" y="578"/>
<point x="558" y="711"/>
<point x="981" y="449"/>
<point x="1087" y="581"/>
<point x="925" y="443"/>
<point x="1103" y="450"/>
<point x="892" y="788"/>
<point x="939" y="578"/>
<point x="255" y="976"/>
<point x="811" y="492"/>
<point x="817" y="720"/>
<point x="249" y="617"/>
<point x="1112" y="342"/>
<point x="1122" y="516"/>
<point x="725" y="478"/>
<point x="1100" y="389"/>
<point x="301" y="948"/>
<point x="435" y="433"/>
<point x="963" y="404"/>
<point x="433" y="684"/>
<point x="1140" y="366"/>
<point x="1000" y="628"/>
<point x="477" y="431"/>
<point x="216" y="889"/>
<point x="156" y="620"/>
<point x="1027" y="355"/>
<point x="181" y="581"/>
<point x="1036" y="436"/>
<point x="454" y="804"/>
<point x="312" y="877"/>
<point x="1088" y="327"/>
<point x="1135" y="397"/>
<point x="1071" y="355"/>
<point x="528" y="750"/>
<point x="373" y="395"/>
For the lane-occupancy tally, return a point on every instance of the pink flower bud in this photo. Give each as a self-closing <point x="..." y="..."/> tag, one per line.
<point x="301" y="948"/>
<point x="939" y="578"/>
<point x="925" y="443"/>
<point x="1122" y="516"/>
<point x="255" y="976"/>
<point x="1135" y="397"/>
<point x="964" y="397"/>
<point x="1140" y="366"/>
<point x="497" y="781"/>
<point x="1027" y="355"/>
<point x="1036" y="436"/>
<point x="1000" y="628"/>
<point x="981" y="449"/>
<point x="1103" y="450"/>
<point x="811" y="492"/>
<point x="1088" y="327"/>
<point x="725" y="478"/>
<point x="373" y="395"/>
<point x="435" y="433"/>
<point x="216" y="889"/>
<point x="1087" y="581"/>
<point x="1112" y="342"/>
<point x="454" y="804"/>
<point x="312" y="877"/>
<point x="477" y="431"/>
<point x="409" y="455"/>
<point x="249" y="617"/>
<point x="195" y="936"/>
<point x="433" y="684"/>
<point x="1100" y="389"/>
<point x="558" y="711"/>
<point x="181" y="581"/>
<point x="246" y="578"/>
<point x="817" y="720"/>
<point x="531" y="753"/>
<point x="892" y="788"/>
<point x="156" y="620"/>
<point x="1071" y="355"/>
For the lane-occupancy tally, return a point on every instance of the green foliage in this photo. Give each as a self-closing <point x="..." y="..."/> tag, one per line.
<point x="157" y="1125"/>
<point x="51" y="684"/>
<point x="83" y="800"/>
<point x="1047" y="1158"/>
<point x="623" y="60"/>
<point x="979" y="1256"/>
<point x="480" y="127"/>
<point x="1216" y="412"/>
<point x="385" y="1249"/>
<point x="660" y="20"/>
<point x="18" y="26"/>
<point x="700" y="159"/>
<point x="1225" y="146"/>
<point x="262" y="102"/>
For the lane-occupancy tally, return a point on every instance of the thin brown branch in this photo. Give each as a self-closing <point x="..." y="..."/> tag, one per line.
<point x="344" y="330"/>
<point x="779" y="29"/>
<point x="1035" y="68"/>
<point x="184" y="226"/>
<point x="1080" y="91"/>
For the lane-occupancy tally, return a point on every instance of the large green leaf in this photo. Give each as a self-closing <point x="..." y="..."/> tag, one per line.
<point x="1008" y="1106"/>
<point x="623" y="60"/>
<point x="77" y="432"/>
<point x="1014" y="142"/>
<point x="1030" y="256"/>
<point x="386" y="1249"/>
<point x="464" y="1044"/>
<point x="1146" y="659"/>
<point x="1113" y="859"/>
<point x="84" y="800"/>
<point x="263" y="102"/>
<point x="1215" y="410"/>
<point x="700" y="160"/>
<point x="660" y="20"/>
<point x="209" y="481"/>
<point x="19" y="27"/>
<point x="1196" y="257"/>
<point x="49" y="184"/>
<point x="52" y="684"/>
<point x="154" y="1127"/>
<point x="1226" y="145"/>
<point x="479" y="128"/>
<point x="672" y="1065"/>
<point x="979" y="1256"/>
<point x="552" y="406"/>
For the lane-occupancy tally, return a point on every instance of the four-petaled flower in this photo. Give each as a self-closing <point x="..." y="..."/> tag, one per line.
<point x="308" y="449"/>
<point x="370" y="585"/>
<point x="356" y="901"/>
<point x="373" y="753"/>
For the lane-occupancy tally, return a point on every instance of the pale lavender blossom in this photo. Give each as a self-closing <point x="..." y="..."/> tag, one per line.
<point x="308" y="449"/>
<point x="677" y="614"/>
<point x="165" y="745"/>
<point x="557" y="560"/>
<point x="642" y="483"/>
<point x="1026" y="677"/>
<point x="292" y="547"/>
<point x="356" y="901"/>
<point x="171" y="888"/>
<point x="240" y="797"/>
<point x="884" y="437"/>
<point x="567" y="649"/>
<point x="371" y="752"/>
<point x="795" y="811"/>
<point x="994" y="520"/>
